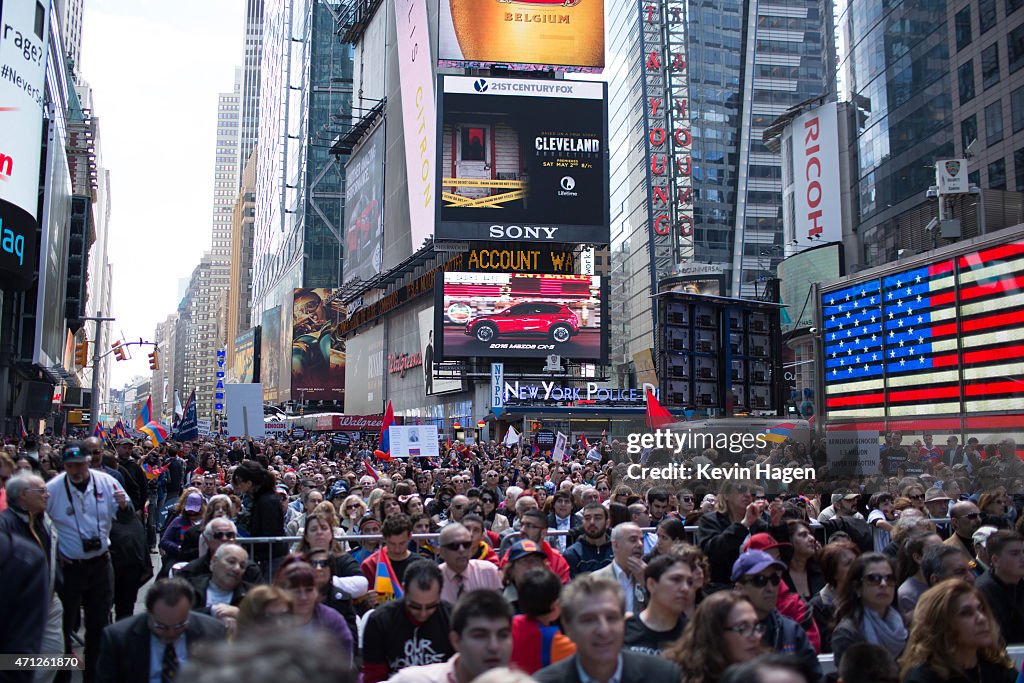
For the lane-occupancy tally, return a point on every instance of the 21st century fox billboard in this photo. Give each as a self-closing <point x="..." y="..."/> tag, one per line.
<point x="567" y="35"/>
<point x="522" y="160"/>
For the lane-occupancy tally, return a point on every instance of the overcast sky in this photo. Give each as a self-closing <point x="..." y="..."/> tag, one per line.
<point x="156" y="69"/>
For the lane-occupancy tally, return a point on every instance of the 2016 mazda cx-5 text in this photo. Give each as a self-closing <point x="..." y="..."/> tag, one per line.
<point x="557" y="323"/>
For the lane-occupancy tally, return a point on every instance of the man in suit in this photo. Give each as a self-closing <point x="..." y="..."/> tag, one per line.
<point x="628" y="566"/>
<point x="954" y="454"/>
<point x="594" y="619"/>
<point x="153" y="646"/>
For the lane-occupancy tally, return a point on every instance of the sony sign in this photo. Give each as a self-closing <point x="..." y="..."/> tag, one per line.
<point x="522" y="232"/>
<point x="816" y="190"/>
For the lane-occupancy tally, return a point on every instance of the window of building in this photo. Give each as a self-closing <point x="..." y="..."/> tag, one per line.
<point x="965" y="77"/>
<point x="1017" y="109"/>
<point x="990" y="66"/>
<point x="1013" y="5"/>
<point x="968" y="131"/>
<point x="1018" y="168"/>
<point x="997" y="175"/>
<point x="986" y="14"/>
<point x="993" y="123"/>
<point x="1015" y="48"/>
<point x="974" y="178"/>
<point x="963" y="28"/>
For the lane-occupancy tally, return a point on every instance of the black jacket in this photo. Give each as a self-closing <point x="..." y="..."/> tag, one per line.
<point x="136" y="485"/>
<point x="583" y="556"/>
<point x="124" y="650"/>
<point x="721" y="541"/>
<point x="785" y="636"/>
<point x="202" y="582"/>
<point x="1007" y="603"/>
<point x="989" y="673"/>
<point x="268" y="520"/>
<point x="636" y="668"/>
<point x="24" y="600"/>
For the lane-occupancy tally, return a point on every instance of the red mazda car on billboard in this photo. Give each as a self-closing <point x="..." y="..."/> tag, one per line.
<point x="558" y="323"/>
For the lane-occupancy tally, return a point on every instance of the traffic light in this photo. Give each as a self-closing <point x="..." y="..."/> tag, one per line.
<point x="154" y="360"/>
<point x="119" y="353"/>
<point x="82" y="353"/>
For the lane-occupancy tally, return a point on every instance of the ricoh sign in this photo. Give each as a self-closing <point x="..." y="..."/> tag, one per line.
<point x="816" y="192"/>
<point x="667" y="127"/>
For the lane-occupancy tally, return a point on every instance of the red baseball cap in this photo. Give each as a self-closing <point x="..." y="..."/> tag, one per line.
<point x="764" y="542"/>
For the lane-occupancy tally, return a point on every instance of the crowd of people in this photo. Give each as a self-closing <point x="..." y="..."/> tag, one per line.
<point x="496" y="564"/>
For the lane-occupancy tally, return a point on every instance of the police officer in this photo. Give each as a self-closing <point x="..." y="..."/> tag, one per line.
<point x="83" y="503"/>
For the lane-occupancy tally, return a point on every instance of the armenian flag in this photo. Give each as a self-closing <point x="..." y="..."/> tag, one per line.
<point x="156" y="432"/>
<point x="118" y="431"/>
<point x="145" y="416"/>
<point x="386" y="582"/>
<point x="383" y="451"/>
<point x="583" y="440"/>
<point x="100" y="432"/>
<point x="22" y="432"/>
<point x="370" y="469"/>
<point x="153" y="473"/>
<point x="779" y="432"/>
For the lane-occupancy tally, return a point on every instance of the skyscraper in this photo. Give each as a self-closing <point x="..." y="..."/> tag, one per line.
<point x="719" y="73"/>
<point x="225" y="183"/>
<point x="250" y="104"/>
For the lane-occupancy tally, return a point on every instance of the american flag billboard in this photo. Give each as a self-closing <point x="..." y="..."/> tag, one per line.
<point x="941" y="338"/>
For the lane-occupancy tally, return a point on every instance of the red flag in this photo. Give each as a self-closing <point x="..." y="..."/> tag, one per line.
<point x="583" y="440"/>
<point x="658" y="415"/>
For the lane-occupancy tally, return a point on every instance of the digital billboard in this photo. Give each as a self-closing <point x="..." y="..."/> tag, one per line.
<point x="522" y="161"/>
<point x="433" y="382"/>
<point x="939" y="337"/>
<point x="23" y="47"/>
<point x="565" y="34"/>
<point x="271" y="352"/>
<point x="513" y="315"/>
<point x="246" y="363"/>
<point x="797" y="274"/>
<point x="364" y="372"/>
<point x="364" y="209"/>
<point x="318" y="353"/>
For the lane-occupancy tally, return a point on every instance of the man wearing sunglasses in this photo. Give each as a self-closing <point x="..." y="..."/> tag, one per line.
<point x="462" y="574"/>
<point x="217" y="532"/>
<point x="758" y="575"/>
<point x="410" y="631"/>
<point x="156" y="644"/>
<point x="965" y="518"/>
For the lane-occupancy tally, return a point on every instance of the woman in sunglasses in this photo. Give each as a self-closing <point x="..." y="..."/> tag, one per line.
<point x="966" y="648"/>
<point x="994" y="504"/>
<point x="352" y="510"/>
<point x="337" y="590"/>
<point x="492" y="519"/>
<point x="915" y="494"/>
<point x="864" y="610"/>
<point x="724" y="631"/>
<point x="299" y="578"/>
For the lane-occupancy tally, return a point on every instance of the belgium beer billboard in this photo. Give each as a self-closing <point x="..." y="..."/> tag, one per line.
<point x="522" y="161"/>
<point x="23" y="47"/>
<point x="518" y="315"/>
<point x="318" y="353"/>
<point x="567" y="35"/>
